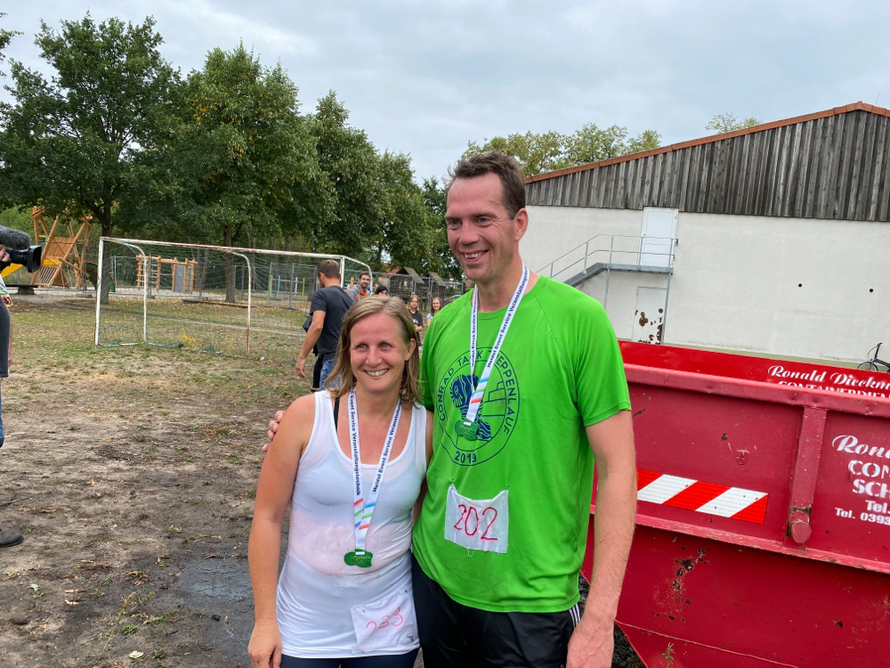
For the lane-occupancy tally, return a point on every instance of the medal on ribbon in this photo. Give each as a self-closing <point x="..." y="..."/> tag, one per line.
<point x="467" y="428"/>
<point x="364" y="510"/>
<point x="354" y="558"/>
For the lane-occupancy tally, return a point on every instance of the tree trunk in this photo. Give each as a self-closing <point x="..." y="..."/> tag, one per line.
<point x="105" y="283"/>
<point x="202" y="274"/>
<point x="230" y="268"/>
<point x="379" y="256"/>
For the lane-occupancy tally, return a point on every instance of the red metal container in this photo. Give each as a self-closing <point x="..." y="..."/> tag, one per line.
<point x="763" y="525"/>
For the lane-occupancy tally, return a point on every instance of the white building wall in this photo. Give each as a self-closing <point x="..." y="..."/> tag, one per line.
<point x="779" y="286"/>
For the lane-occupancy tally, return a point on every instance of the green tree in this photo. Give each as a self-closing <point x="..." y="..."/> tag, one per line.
<point x="592" y="144"/>
<point x="247" y="155"/>
<point x="536" y="153"/>
<point x="442" y="260"/>
<point x="17" y="219"/>
<point x="5" y="38"/>
<point x="727" y="122"/>
<point x="72" y="142"/>
<point x="647" y="140"/>
<point x="350" y="164"/>
<point x="406" y="228"/>
<point x="550" y="151"/>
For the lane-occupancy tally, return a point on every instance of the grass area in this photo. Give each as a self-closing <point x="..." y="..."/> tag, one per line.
<point x="53" y="342"/>
<point x="275" y="331"/>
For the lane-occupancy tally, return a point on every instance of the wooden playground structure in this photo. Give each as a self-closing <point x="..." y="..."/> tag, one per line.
<point x="60" y="252"/>
<point x="182" y="273"/>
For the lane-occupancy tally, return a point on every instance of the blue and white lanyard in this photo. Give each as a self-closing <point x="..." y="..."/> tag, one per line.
<point x="476" y="400"/>
<point x="364" y="510"/>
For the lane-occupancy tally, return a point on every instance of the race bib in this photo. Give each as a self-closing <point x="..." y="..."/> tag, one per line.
<point x="386" y="624"/>
<point x="477" y="525"/>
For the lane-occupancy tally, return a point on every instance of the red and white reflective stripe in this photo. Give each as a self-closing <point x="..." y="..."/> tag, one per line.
<point x="702" y="497"/>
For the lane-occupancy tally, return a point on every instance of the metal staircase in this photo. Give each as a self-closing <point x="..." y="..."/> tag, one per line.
<point x="612" y="253"/>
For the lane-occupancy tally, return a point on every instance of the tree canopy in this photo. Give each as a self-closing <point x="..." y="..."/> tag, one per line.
<point x="727" y="122"/>
<point x="241" y="149"/>
<point x="224" y="155"/>
<point x="549" y="151"/>
<point x="5" y="38"/>
<point x="71" y="142"/>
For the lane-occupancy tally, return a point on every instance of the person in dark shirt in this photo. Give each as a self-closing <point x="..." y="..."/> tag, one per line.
<point x="416" y="316"/>
<point x="328" y="306"/>
<point x="7" y="538"/>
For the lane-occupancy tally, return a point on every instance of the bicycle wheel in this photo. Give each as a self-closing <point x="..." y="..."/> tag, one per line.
<point x="868" y="366"/>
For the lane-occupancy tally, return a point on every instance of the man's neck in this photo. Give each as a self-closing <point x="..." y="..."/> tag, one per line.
<point x="328" y="282"/>
<point x="497" y="295"/>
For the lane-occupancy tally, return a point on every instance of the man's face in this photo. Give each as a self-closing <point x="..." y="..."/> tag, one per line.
<point x="483" y="238"/>
<point x="364" y="280"/>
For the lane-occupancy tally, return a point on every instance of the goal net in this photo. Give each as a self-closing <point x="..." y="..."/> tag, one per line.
<point x="230" y="301"/>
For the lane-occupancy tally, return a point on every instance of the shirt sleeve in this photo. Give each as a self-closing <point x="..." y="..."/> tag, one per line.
<point x="599" y="368"/>
<point x="319" y="302"/>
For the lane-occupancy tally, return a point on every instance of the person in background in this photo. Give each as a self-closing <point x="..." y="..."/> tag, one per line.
<point x="416" y="315"/>
<point x="7" y="538"/>
<point x="327" y="308"/>
<point x="360" y="289"/>
<point x="381" y="290"/>
<point x="344" y="597"/>
<point x="435" y="307"/>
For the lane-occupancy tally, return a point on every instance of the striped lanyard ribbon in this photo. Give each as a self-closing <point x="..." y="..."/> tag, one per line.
<point x="476" y="400"/>
<point x="364" y="510"/>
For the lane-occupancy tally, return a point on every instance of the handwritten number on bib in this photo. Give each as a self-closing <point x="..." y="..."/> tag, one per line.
<point x="488" y="517"/>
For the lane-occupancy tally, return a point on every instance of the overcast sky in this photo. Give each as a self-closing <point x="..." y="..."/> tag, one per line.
<point x="425" y="77"/>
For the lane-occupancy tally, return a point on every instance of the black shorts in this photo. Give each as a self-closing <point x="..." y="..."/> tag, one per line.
<point x="388" y="661"/>
<point x="452" y="634"/>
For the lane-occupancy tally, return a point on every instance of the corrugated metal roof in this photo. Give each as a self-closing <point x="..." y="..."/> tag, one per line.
<point x="833" y="164"/>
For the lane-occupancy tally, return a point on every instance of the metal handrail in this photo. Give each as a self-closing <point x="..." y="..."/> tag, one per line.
<point x="588" y="254"/>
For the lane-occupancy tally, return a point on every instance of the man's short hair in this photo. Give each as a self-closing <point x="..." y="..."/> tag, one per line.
<point x="495" y="162"/>
<point x="363" y="274"/>
<point x="329" y="268"/>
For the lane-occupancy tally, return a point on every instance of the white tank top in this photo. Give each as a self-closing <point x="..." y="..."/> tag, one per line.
<point x="317" y="589"/>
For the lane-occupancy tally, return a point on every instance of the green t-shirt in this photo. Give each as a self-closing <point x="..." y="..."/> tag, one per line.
<point x="520" y="502"/>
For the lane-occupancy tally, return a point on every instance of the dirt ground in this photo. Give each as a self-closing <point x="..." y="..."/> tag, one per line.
<point x="131" y="473"/>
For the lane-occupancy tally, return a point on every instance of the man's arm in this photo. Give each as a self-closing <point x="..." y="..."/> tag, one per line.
<point x="612" y="444"/>
<point x="311" y="339"/>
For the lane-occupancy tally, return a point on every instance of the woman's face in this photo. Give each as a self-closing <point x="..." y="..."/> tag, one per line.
<point x="437" y="304"/>
<point x="378" y="352"/>
<point x="413" y="303"/>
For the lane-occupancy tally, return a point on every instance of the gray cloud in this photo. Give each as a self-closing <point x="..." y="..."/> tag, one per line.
<point x="426" y="78"/>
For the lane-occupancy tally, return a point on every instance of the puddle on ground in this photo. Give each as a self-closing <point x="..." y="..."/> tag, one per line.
<point x="216" y="578"/>
<point x="219" y="590"/>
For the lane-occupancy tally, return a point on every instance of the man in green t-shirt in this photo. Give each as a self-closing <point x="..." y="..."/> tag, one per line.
<point x="527" y="388"/>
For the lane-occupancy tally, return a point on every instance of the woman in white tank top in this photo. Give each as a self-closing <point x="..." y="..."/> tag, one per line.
<point x="350" y="462"/>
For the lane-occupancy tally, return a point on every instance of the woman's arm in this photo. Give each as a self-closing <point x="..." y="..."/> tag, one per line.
<point x="274" y="491"/>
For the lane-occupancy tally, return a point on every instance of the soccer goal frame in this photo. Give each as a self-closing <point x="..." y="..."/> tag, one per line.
<point x="160" y="273"/>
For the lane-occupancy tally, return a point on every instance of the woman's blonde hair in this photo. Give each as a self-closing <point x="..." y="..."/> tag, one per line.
<point x="342" y="371"/>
